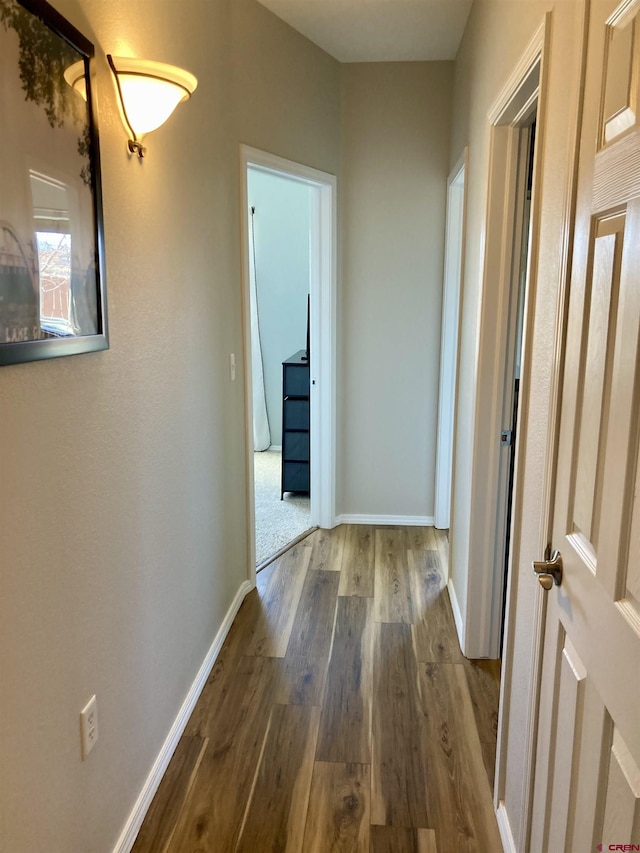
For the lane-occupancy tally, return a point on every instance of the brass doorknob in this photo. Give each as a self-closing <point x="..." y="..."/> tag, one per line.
<point x="549" y="572"/>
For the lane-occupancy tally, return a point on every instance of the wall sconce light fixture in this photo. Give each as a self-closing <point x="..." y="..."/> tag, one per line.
<point x="148" y="93"/>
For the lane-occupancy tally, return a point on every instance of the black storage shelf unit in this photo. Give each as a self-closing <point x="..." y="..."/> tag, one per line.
<point x="295" y="425"/>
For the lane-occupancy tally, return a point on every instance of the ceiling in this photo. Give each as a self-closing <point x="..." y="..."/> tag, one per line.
<point x="378" y="30"/>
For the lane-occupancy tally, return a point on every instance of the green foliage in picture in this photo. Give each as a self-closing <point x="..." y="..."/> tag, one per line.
<point x="44" y="56"/>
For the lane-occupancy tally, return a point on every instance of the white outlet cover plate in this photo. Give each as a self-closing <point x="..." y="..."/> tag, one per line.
<point x="89" y="726"/>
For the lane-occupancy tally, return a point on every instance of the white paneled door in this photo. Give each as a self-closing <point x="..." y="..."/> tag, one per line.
<point x="587" y="778"/>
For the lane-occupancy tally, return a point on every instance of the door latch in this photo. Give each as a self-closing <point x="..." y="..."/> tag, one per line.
<point x="506" y="437"/>
<point x="549" y="571"/>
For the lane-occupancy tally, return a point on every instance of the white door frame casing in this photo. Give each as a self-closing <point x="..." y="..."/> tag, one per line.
<point x="513" y="108"/>
<point x="451" y="299"/>
<point x="323" y="293"/>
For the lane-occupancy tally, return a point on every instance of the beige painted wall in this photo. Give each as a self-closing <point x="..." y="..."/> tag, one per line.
<point x="395" y="151"/>
<point x="122" y="496"/>
<point x="496" y="36"/>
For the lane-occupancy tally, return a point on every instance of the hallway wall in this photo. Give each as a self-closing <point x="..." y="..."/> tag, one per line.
<point x="395" y="157"/>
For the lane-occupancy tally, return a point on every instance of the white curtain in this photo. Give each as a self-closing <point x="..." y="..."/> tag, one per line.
<point x="261" y="433"/>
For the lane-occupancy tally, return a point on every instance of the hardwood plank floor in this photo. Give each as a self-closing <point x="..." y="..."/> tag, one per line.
<point x="460" y="809"/>
<point x="345" y="727"/>
<point x="434" y="630"/>
<point x="394" y="839"/>
<point x="340" y="715"/>
<point x="212" y="815"/>
<point x="392" y="585"/>
<point x="398" y="788"/>
<point x="305" y="663"/>
<point x="338" y="816"/>
<point x="170" y="797"/>
<point x="483" y="678"/>
<point x="327" y="548"/>
<point x="279" y="588"/>
<point x="356" y="577"/>
<point x="275" y="815"/>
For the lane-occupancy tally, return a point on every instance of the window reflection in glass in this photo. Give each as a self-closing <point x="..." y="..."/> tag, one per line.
<point x="54" y="265"/>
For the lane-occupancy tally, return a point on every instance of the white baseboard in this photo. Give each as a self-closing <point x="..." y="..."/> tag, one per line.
<point x="381" y="520"/>
<point x="457" y="613"/>
<point x="504" y="827"/>
<point x="276" y="447"/>
<point x="134" y="822"/>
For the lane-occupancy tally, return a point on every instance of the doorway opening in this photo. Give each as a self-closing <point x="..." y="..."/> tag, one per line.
<point x="513" y="363"/>
<point x="289" y="298"/>
<point x="503" y="301"/>
<point x="517" y="123"/>
<point x="451" y="307"/>
<point x="279" y="276"/>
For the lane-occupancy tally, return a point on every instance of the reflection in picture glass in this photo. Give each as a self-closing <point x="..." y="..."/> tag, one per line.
<point x="54" y="264"/>
<point x="51" y="294"/>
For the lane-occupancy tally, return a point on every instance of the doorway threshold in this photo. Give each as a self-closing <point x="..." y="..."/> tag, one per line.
<point x="287" y="547"/>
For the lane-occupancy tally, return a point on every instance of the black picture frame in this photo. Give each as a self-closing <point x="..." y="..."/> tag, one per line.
<point x="52" y="267"/>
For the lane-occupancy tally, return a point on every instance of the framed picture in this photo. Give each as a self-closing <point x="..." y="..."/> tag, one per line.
<point x="52" y="283"/>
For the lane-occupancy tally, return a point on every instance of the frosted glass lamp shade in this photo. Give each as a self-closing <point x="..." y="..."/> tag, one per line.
<point x="148" y="92"/>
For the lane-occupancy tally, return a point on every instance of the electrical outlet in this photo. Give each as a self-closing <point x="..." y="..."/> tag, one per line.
<point x="232" y="367"/>
<point x="89" y="726"/>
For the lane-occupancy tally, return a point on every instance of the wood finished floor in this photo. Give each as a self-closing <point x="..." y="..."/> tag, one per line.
<point x="340" y="716"/>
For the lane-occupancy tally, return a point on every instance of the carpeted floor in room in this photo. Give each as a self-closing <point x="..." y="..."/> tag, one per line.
<point x="277" y="522"/>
